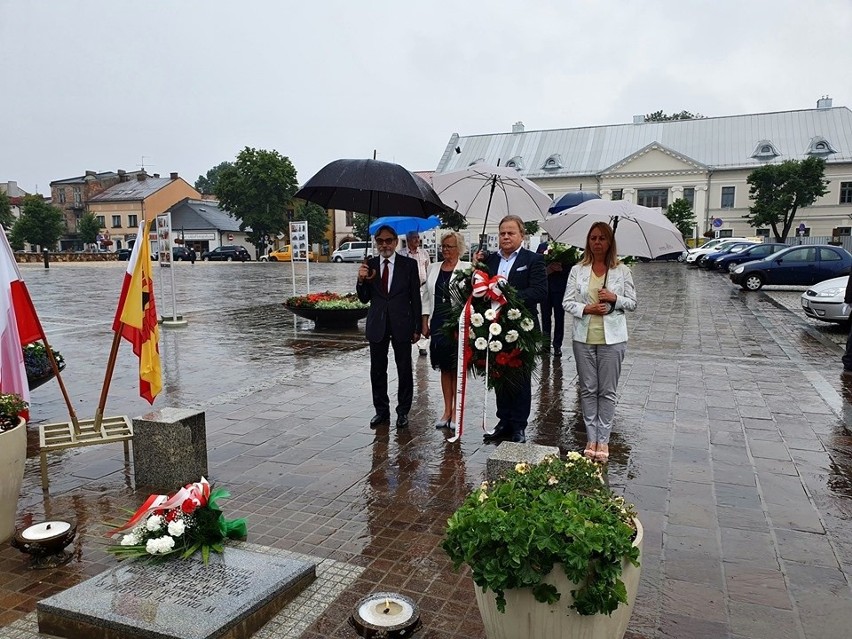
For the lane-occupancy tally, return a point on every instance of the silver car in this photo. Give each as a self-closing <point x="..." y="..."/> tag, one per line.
<point x="824" y="301"/>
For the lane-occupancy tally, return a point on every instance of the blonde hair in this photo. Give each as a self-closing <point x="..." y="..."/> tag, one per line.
<point x="611" y="257"/>
<point x="462" y="245"/>
<point x="517" y="220"/>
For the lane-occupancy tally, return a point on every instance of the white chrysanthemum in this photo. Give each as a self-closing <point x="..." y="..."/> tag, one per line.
<point x="495" y="345"/>
<point x="154" y="523"/>
<point x="131" y="539"/>
<point x="512" y="336"/>
<point x="490" y="314"/>
<point x="160" y="545"/>
<point x="176" y="528"/>
<point x="514" y="314"/>
<point x="527" y="324"/>
<point x="481" y="343"/>
<point x="495" y="329"/>
<point x="477" y="320"/>
<point x="574" y="455"/>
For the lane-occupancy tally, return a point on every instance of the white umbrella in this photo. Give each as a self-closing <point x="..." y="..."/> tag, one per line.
<point x="639" y="230"/>
<point x="484" y="191"/>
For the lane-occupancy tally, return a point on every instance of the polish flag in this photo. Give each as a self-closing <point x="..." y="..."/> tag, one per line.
<point x="13" y="373"/>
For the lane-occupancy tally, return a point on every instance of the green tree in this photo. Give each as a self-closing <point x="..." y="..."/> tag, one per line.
<point x="256" y="190"/>
<point x="7" y="220"/>
<point x="361" y="226"/>
<point x="681" y="215"/>
<point x="88" y="228"/>
<point x="206" y="184"/>
<point x="780" y="190"/>
<point x="452" y="220"/>
<point x="40" y="224"/>
<point x="659" y="116"/>
<point x="531" y="228"/>
<point x="317" y="218"/>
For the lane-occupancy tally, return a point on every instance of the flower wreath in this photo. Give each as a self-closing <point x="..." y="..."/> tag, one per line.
<point x="184" y="523"/>
<point x="503" y="342"/>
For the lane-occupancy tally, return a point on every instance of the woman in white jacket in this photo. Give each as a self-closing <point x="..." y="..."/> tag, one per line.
<point x="437" y="301"/>
<point x="600" y="290"/>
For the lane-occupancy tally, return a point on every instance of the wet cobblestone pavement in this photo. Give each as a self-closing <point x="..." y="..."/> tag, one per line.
<point x="729" y="438"/>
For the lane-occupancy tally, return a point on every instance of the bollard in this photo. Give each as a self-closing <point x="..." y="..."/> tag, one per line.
<point x="46" y="253"/>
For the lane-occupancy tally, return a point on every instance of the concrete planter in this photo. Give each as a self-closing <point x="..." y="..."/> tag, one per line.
<point x="526" y="618"/>
<point x="13" y="455"/>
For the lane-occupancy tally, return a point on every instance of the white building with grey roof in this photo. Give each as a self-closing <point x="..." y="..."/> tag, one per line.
<point x="705" y="161"/>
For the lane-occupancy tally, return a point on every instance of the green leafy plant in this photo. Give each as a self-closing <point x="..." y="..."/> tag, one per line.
<point x="37" y="362"/>
<point x="512" y="532"/>
<point x="11" y="406"/>
<point x="563" y="254"/>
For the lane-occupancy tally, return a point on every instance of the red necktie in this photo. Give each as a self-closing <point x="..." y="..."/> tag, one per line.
<point x="385" y="277"/>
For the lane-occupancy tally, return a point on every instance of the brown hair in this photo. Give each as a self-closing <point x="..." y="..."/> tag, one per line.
<point x="611" y="258"/>
<point x="517" y="220"/>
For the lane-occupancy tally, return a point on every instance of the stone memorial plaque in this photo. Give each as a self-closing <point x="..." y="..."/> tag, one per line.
<point x="230" y="598"/>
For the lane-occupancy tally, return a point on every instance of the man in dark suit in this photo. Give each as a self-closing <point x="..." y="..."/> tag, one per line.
<point x="525" y="271"/>
<point x="391" y="284"/>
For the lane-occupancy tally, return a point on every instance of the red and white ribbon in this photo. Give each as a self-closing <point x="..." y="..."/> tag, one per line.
<point x="193" y="495"/>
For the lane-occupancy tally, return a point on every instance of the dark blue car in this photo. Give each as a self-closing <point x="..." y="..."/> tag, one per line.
<point x="709" y="261"/>
<point x="795" y="266"/>
<point x="728" y="262"/>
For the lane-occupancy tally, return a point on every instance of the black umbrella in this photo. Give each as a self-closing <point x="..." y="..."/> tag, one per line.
<point x="373" y="187"/>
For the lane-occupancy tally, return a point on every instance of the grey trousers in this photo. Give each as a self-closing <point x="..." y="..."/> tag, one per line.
<point x="598" y="370"/>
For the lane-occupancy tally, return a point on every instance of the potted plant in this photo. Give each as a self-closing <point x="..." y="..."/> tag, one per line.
<point x="13" y="454"/>
<point x="329" y="309"/>
<point x="552" y="550"/>
<point x="37" y="363"/>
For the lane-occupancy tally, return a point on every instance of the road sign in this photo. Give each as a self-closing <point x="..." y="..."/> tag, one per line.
<point x="717" y="222"/>
<point x="802" y="227"/>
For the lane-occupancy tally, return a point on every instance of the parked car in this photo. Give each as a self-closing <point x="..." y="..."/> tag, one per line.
<point x="692" y="255"/>
<point x="180" y="253"/>
<point x="284" y="254"/>
<point x="797" y="265"/>
<point x="352" y="252"/>
<point x="122" y="254"/>
<point x="227" y="253"/>
<point x="824" y="301"/>
<point x="709" y="261"/>
<point x="730" y="261"/>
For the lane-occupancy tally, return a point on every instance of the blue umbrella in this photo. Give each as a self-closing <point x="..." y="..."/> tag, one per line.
<point x="403" y="225"/>
<point x="570" y="200"/>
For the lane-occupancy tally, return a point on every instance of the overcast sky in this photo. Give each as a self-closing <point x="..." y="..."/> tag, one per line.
<point x="186" y="84"/>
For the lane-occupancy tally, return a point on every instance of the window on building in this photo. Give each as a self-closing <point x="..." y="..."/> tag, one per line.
<point x="116" y="221"/>
<point x="762" y="232"/>
<point x="101" y="220"/>
<point x="728" y="197"/>
<point x="843" y="231"/>
<point x="846" y="192"/>
<point x="805" y="233"/>
<point x="653" y="198"/>
<point x="618" y="194"/>
<point x="132" y="221"/>
<point x="78" y="195"/>
<point x="62" y="196"/>
<point x="350" y="218"/>
<point x="689" y="196"/>
<point x="725" y="233"/>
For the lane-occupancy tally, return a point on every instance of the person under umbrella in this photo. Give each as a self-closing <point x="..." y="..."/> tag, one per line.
<point x="394" y="319"/>
<point x="600" y="289"/>
<point x="415" y="252"/>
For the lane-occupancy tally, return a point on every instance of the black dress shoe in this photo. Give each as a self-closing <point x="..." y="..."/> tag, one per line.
<point x="501" y="434"/>
<point x="378" y="419"/>
<point x="557" y="352"/>
<point x="519" y="437"/>
<point x="402" y="421"/>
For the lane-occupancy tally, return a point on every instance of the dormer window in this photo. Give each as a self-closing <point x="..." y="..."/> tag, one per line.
<point x="553" y="162"/>
<point x="516" y="162"/>
<point x="765" y="150"/>
<point x="820" y="146"/>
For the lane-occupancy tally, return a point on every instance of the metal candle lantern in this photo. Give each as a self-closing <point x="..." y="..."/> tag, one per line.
<point x="45" y="542"/>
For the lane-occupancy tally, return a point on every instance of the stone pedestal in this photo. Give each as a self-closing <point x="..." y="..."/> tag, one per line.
<point x="509" y="454"/>
<point x="169" y="448"/>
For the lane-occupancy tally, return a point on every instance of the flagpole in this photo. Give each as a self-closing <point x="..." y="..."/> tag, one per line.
<point x="113" y="353"/>
<point x="55" y="366"/>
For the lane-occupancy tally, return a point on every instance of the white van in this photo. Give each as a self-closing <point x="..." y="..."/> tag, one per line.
<point x="352" y="252"/>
